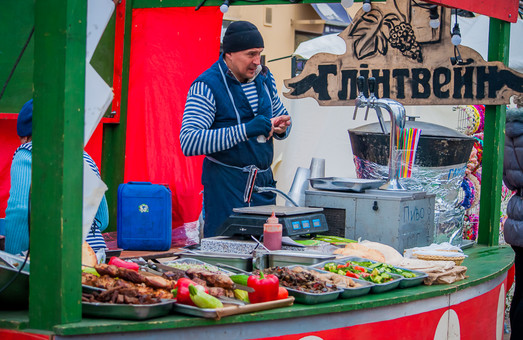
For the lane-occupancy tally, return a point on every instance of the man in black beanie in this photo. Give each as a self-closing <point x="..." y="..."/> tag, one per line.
<point x="231" y="114"/>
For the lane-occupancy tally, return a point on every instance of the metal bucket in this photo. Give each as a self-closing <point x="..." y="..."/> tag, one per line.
<point x="438" y="145"/>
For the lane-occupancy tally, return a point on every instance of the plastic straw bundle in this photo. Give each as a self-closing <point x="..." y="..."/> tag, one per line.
<point x="407" y="146"/>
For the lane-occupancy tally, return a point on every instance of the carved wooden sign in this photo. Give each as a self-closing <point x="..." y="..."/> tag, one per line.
<point x="413" y="63"/>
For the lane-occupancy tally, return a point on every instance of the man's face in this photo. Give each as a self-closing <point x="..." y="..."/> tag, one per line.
<point x="244" y="63"/>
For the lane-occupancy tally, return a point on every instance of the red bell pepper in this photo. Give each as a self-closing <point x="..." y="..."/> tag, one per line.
<point x="360" y="268"/>
<point x="116" y="261"/>
<point x="181" y="291"/>
<point x="265" y="287"/>
<point x="351" y="274"/>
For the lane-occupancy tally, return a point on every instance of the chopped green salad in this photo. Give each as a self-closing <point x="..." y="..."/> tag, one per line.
<point x="353" y="270"/>
<point x="385" y="268"/>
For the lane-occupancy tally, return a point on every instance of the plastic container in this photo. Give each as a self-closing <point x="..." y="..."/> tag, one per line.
<point x="144" y="216"/>
<point x="272" y="232"/>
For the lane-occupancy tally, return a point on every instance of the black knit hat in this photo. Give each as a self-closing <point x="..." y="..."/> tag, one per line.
<point x="241" y="35"/>
<point x="24" y="123"/>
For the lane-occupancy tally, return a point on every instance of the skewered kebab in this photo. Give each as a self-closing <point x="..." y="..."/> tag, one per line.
<point x="121" y="295"/>
<point x="153" y="281"/>
<point x="218" y="284"/>
<point x="111" y="283"/>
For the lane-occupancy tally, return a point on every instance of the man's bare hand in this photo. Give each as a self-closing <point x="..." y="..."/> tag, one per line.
<point x="280" y="124"/>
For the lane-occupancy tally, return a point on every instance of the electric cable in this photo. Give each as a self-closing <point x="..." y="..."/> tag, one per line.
<point x="16" y="62"/>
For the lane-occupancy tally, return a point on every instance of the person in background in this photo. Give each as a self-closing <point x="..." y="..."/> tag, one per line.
<point x="513" y="227"/>
<point x="231" y="114"/>
<point x="17" y="212"/>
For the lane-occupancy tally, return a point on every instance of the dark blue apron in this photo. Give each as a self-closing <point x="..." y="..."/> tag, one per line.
<point x="225" y="176"/>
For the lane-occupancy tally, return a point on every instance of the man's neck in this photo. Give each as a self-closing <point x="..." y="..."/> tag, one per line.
<point x="240" y="79"/>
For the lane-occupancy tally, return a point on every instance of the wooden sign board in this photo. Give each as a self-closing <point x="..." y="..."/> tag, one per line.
<point x="413" y="63"/>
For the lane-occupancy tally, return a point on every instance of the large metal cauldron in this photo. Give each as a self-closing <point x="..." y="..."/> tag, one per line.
<point x="438" y="145"/>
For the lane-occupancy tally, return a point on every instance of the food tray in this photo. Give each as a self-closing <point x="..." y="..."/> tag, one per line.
<point x="126" y="311"/>
<point x="91" y="289"/>
<point x="14" y="261"/>
<point x="350" y="292"/>
<point x="231" y="310"/>
<point x="405" y="282"/>
<point x="345" y="184"/>
<point x="112" y="252"/>
<point x="313" y="298"/>
<point x="281" y="258"/>
<point x="242" y="262"/>
<point x="376" y="287"/>
<point x="385" y="287"/>
<point x="198" y="262"/>
<point x="413" y="281"/>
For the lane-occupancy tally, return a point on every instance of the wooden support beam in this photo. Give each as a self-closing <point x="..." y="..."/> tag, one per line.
<point x="57" y="163"/>
<point x="113" y="147"/>
<point x="493" y="144"/>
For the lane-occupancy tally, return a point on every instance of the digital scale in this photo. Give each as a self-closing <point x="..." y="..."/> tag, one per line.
<point x="295" y="221"/>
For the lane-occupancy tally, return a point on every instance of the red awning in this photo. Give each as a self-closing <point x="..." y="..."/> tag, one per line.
<point x="505" y="9"/>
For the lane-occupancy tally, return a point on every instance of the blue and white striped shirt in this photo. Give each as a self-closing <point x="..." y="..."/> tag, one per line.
<point x="16" y="220"/>
<point x="197" y="138"/>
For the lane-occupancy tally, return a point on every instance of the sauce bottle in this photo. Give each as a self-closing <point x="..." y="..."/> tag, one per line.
<point x="272" y="232"/>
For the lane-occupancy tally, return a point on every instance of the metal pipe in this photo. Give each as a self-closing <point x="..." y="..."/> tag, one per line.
<point x="270" y="189"/>
<point x="397" y="120"/>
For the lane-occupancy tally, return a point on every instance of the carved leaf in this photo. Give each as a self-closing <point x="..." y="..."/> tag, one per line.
<point x="367" y="34"/>
<point x="382" y="44"/>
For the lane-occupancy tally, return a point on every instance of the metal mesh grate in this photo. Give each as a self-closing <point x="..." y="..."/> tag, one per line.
<point x="336" y="221"/>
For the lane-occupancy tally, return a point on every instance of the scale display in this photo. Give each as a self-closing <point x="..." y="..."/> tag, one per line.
<point x="294" y="220"/>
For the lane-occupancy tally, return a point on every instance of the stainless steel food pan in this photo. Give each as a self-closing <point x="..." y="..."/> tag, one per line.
<point x="377" y="287"/>
<point x="314" y="298"/>
<point x="283" y="258"/>
<point x="349" y="292"/>
<point x="242" y="262"/>
<point x="345" y="184"/>
<point x="413" y="281"/>
<point x="127" y="311"/>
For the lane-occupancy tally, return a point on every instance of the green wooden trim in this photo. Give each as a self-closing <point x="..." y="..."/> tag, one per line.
<point x="493" y="143"/>
<point x="114" y="136"/>
<point x="194" y="3"/>
<point x="57" y="177"/>
<point x="483" y="263"/>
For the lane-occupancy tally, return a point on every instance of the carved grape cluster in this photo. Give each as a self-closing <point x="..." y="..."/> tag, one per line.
<point x="402" y="38"/>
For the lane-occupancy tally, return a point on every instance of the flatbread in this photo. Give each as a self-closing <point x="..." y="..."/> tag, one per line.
<point x="88" y="256"/>
<point x="359" y="250"/>
<point x="392" y="256"/>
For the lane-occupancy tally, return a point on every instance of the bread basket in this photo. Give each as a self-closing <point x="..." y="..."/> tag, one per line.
<point x="458" y="260"/>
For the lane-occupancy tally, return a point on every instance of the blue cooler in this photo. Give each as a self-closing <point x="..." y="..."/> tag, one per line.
<point x="144" y="216"/>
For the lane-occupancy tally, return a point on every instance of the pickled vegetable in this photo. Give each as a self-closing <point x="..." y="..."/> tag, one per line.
<point x="204" y="300"/>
